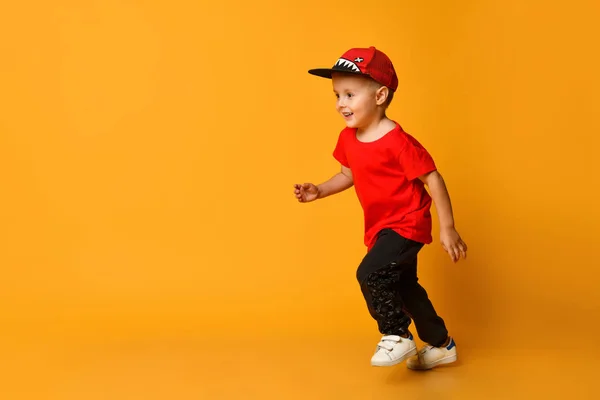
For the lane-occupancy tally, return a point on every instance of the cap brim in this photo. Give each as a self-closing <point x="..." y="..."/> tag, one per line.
<point x="327" y="72"/>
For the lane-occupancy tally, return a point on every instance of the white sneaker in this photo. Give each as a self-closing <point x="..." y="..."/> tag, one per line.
<point x="429" y="356"/>
<point x="392" y="350"/>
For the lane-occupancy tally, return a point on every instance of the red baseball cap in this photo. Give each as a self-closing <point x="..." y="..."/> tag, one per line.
<point x="363" y="61"/>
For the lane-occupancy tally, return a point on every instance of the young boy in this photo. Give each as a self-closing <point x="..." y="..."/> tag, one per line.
<point x="389" y="170"/>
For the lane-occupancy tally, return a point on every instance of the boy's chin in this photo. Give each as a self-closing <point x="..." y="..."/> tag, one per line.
<point x="351" y="124"/>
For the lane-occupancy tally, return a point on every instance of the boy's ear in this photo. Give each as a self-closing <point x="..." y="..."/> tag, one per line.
<point x="381" y="95"/>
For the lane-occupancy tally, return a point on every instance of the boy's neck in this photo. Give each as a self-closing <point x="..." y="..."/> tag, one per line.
<point x="376" y="129"/>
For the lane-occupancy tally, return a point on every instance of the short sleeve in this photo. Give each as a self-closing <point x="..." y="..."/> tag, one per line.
<point x="415" y="160"/>
<point x="339" y="153"/>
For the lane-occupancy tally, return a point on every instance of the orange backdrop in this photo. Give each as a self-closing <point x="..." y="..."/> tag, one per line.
<point x="148" y="151"/>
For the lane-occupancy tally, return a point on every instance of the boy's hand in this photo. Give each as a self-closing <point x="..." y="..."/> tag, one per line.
<point x="453" y="244"/>
<point x="306" y="192"/>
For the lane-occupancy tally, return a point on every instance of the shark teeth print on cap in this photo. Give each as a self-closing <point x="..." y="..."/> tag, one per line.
<point x="342" y="63"/>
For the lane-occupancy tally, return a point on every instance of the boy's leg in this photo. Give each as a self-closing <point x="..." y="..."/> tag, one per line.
<point x="429" y="325"/>
<point x="379" y="276"/>
<point x="384" y="302"/>
<point x="440" y="349"/>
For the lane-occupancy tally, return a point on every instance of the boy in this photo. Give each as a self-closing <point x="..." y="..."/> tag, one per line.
<point x="389" y="170"/>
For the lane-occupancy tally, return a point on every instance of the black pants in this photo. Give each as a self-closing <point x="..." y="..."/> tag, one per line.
<point x="388" y="280"/>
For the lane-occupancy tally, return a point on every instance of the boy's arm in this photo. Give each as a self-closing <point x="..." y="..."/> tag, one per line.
<point x="339" y="182"/>
<point x="308" y="192"/>
<point x="450" y="239"/>
<point x="441" y="198"/>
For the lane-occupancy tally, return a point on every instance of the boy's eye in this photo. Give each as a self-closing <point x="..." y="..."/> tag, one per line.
<point x="350" y="95"/>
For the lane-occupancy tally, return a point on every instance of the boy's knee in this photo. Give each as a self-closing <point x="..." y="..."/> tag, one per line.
<point x="382" y="277"/>
<point x="382" y="282"/>
<point x="362" y="272"/>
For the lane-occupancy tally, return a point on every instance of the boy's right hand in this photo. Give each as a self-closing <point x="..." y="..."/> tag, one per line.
<point x="306" y="192"/>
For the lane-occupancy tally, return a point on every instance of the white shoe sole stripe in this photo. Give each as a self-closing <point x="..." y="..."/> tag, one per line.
<point x="445" y="360"/>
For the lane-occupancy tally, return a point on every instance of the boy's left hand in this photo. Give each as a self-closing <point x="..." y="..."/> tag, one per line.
<point x="453" y="244"/>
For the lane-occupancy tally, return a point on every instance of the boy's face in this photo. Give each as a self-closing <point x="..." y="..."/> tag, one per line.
<point x="356" y="99"/>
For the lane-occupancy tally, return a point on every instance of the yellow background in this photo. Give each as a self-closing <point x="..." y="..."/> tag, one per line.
<point x="148" y="151"/>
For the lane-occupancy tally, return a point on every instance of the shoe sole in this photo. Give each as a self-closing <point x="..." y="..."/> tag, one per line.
<point x="394" y="362"/>
<point x="445" y="360"/>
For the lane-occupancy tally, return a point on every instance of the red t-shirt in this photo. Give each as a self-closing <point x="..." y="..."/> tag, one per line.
<point x="386" y="182"/>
